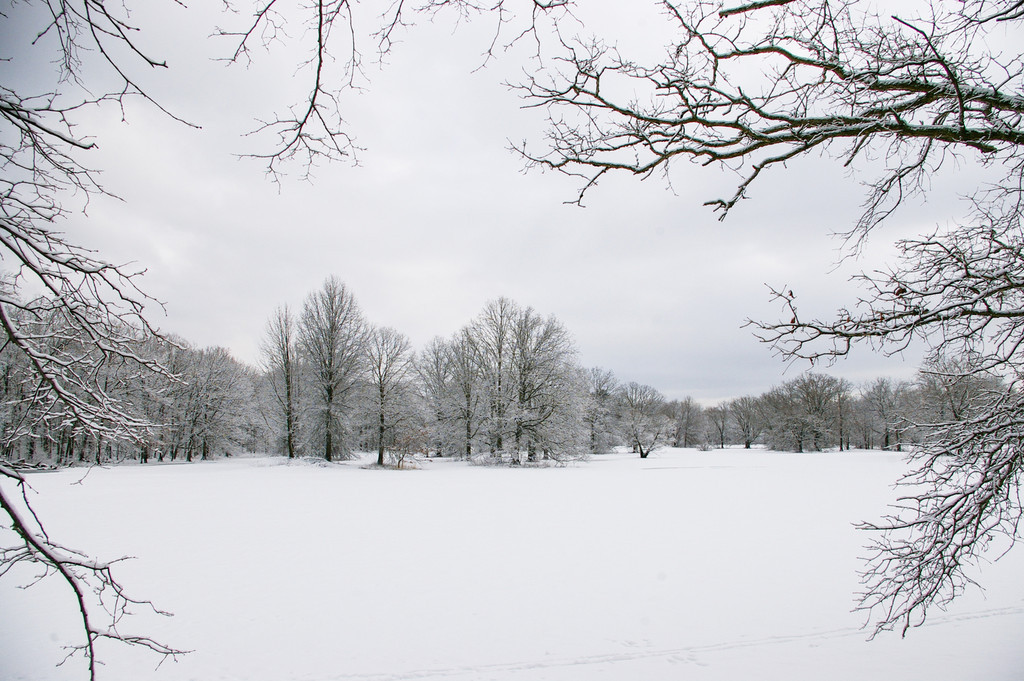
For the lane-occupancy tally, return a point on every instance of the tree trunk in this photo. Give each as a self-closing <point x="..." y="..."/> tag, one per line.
<point x="289" y="415"/>
<point x="329" y="443"/>
<point x="380" y="439"/>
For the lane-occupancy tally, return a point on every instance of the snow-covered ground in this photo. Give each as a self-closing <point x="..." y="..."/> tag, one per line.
<point x="687" y="565"/>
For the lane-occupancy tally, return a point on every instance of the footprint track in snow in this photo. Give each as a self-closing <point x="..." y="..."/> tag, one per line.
<point x="690" y="655"/>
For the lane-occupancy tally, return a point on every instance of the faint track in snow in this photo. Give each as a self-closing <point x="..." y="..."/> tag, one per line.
<point x="680" y="655"/>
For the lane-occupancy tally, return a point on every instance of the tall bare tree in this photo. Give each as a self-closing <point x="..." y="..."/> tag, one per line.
<point x="493" y="331"/>
<point x="280" y="359"/>
<point x="451" y="376"/>
<point x="802" y="414"/>
<point x="468" y="395"/>
<point x="601" y="410"/>
<point x="717" y="421"/>
<point x="332" y="337"/>
<point x="543" y="375"/>
<point x="747" y="414"/>
<point x="390" y="370"/>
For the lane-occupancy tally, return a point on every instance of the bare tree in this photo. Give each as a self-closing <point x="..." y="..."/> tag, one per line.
<point x="279" y="352"/>
<point x="332" y="337"/>
<point x="493" y="334"/>
<point x="600" y="411"/>
<point x="434" y="368"/>
<point x="746" y="413"/>
<point x="564" y="434"/>
<point x="390" y="364"/>
<point x="843" y="423"/>
<point x="507" y="382"/>
<point x="802" y="414"/>
<point x="886" y="400"/>
<point x="452" y="378"/>
<point x="225" y="389"/>
<point x="545" y="388"/>
<point x="717" y="420"/>
<point x="687" y="418"/>
<point x="470" y="402"/>
<point x="951" y="388"/>
<point x="644" y="426"/>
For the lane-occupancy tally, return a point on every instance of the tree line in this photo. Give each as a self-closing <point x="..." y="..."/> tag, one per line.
<point x="201" y="403"/>
<point x="506" y="387"/>
<point x="816" y="411"/>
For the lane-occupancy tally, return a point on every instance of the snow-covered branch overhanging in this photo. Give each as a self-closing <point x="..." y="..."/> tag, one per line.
<point x="763" y="90"/>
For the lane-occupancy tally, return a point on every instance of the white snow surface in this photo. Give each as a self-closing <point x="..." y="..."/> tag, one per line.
<point x="687" y="565"/>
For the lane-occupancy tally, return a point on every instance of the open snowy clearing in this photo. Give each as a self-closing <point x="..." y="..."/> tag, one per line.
<point x="716" y="565"/>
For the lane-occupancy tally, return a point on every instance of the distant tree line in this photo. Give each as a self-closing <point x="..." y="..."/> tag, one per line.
<point x="506" y="387"/>
<point x="815" y="411"/>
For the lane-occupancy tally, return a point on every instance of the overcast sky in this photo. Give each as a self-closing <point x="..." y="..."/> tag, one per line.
<point x="438" y="217"/>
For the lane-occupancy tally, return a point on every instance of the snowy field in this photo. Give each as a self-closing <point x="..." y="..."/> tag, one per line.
<point x="687" y="565"/>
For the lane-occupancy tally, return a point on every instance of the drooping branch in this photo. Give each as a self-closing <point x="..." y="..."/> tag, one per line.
<point x="91" y="582"/>
<point x="314" y="130"/>
<point x="963" y="495"/>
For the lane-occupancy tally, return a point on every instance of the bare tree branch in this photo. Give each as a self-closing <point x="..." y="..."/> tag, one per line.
<point x="91" y="582"/>
<point x="833" y="77"/>
<point x="314" y="131"/>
